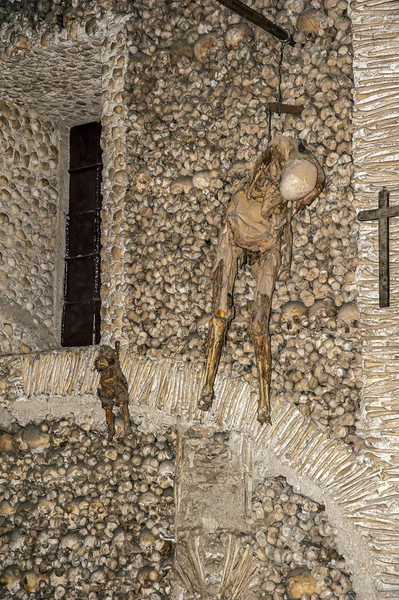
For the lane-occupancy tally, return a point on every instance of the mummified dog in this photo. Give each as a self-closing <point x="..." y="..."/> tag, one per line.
<point x="113" y="390"/>
<point x="286" y="179"/>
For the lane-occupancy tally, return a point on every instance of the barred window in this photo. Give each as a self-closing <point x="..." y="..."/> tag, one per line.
<point x="81" y="308"/>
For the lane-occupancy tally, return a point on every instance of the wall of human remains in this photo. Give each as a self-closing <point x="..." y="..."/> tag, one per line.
<point x="196" y="85"/>
<point x="29" y="165"/>
<point x="69" y="77"/>
<point x="204" y="78"/>
<point x="83" y="518"/>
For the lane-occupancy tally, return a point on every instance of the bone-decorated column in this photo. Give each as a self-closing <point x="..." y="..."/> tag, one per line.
<point x="213" y="502"/>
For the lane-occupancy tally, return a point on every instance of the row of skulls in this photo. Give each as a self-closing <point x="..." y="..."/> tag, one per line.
<point x="295" y="315"/>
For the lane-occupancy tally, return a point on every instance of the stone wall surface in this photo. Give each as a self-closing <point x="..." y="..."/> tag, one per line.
<point x="29" y="183"/>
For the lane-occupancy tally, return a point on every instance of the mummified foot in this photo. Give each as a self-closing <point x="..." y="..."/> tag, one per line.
<point x="264" y="414"/>
<point x="205" y="400"/>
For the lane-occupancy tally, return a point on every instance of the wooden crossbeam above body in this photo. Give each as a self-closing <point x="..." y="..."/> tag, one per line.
<point x="382" y="214"/>
<point x="258" y="19"/>
<point x="279" y="107"/>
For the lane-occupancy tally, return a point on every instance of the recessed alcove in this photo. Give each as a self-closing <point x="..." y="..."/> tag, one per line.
<point x="48" y="86"/>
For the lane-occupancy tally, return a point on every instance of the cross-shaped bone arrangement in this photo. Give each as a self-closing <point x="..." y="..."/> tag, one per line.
<point x="286" y="179"/>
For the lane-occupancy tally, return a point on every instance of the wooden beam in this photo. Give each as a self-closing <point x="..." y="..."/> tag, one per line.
<point x="258" y="19"/>
<point x="290" y="109"/>
<point x="383" y="246"/>
<point x="379" y="213"/>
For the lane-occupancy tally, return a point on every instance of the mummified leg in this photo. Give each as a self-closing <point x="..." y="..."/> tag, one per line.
<point x="222" y="311"/>
<point x="266" y="274"/>
<point x="127" y="427"/>
<point x="109" y="415"/>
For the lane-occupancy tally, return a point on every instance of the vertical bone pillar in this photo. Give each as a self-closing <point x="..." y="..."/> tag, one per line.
<point x="114" y="63"/>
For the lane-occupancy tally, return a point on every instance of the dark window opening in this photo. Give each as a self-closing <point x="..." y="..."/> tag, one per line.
<point x="81" y="310"/>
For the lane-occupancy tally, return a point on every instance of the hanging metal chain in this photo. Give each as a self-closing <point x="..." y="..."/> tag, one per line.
<point x="280" y="67"/>
<point x="279" y="92"/>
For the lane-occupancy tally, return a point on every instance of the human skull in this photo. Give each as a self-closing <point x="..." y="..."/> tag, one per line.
<point x="202" y="325"/>
<point x="348" y="316"/>
<point x="10" y="577"/>
<point x="299" y="178"/>
<point x="311" y="22"/>
<point x="143" y="179"/>
<point x="293" y="315"/>
<point x="30" y="581"/>
<point x="321" y="309"/>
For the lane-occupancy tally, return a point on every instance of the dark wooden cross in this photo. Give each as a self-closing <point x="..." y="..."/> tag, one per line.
<point x="382" y="214"/>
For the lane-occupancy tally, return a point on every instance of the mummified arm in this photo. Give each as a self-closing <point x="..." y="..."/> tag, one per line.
<point x="260" y="167"/>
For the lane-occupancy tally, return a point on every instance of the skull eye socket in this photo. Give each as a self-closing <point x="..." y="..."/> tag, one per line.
<point x="301" y="148"/>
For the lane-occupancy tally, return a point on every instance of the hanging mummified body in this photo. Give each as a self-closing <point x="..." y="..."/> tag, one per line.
<point x="286" y="179"/>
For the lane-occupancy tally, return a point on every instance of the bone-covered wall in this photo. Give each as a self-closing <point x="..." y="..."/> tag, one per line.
<point x="30" y="199"/>
<point x="297" y="545"/>
<point x="183" y="131"/>
<point x="81" y="517"/>
<point x="204" y="82"/>
<point x="198" y="83"/>
<point x="184" y="118"/>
